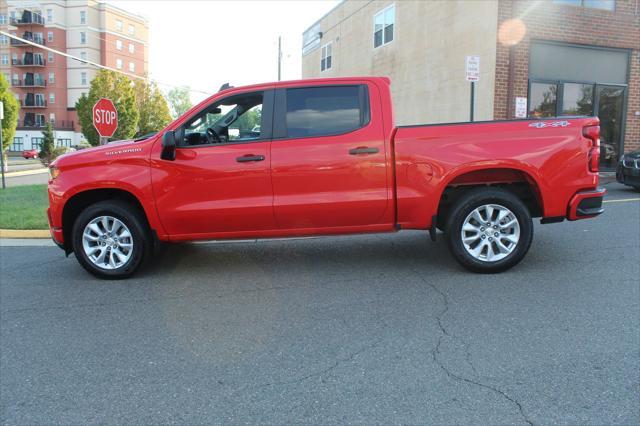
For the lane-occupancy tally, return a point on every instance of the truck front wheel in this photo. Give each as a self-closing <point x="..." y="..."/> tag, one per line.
<point x="111" y="239"/>
<point x="489" y="230"/>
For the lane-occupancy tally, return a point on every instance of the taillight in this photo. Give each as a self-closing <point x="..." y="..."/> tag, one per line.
<point x="593" y="133"/>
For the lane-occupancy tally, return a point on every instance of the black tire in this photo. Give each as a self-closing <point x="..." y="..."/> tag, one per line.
<point x="140" y="234"/>
<point x="469" y="202"/>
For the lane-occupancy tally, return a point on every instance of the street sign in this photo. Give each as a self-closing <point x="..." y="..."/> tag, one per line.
<point x="473" y="68"/>
<point x="105" y="117"/>
<point x="521" y="107"/>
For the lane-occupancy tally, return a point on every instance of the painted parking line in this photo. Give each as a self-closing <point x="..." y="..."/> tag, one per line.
<point x="621" y="200"/>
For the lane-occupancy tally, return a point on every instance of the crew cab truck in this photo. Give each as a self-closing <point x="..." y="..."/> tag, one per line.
<point x="322" y="157"/>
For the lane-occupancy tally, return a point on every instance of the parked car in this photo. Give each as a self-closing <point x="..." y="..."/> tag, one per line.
<point x="628" y="170"/>
<point x="327" y="160"/>
<point x="29" y="153"/>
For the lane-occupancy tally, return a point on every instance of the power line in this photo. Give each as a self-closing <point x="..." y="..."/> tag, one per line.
<point x="95" y="64"/>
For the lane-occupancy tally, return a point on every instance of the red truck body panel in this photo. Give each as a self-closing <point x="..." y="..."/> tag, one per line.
<point x="312" y="186"/>
<point x="429" y="158"/>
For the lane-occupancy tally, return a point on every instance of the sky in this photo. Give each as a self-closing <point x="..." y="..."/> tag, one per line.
<point x="203" y="44"/>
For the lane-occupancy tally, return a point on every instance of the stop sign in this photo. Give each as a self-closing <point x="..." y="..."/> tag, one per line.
<point x="105" y="117"/>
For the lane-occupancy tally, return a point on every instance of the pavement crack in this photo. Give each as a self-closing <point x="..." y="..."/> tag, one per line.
<point x="435" y="353"/>
<point x="325" y="370"/>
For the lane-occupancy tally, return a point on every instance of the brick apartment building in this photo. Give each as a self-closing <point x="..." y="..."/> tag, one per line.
<point x="560" y="57"/>
<point x="46" y="84"/>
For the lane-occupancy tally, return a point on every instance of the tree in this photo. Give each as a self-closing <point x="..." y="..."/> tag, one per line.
<point x="118" y="88"/>
<point x="48" y="145"/>
<point x="152" y="106"/>
<point x="179" y="101"/>
<point x="11" y="108"/>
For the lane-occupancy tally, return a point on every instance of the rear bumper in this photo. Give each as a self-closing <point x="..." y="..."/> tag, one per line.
<point x="586" y="204"/>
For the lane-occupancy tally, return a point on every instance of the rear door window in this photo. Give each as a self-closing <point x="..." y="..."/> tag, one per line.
<point x="326" y="110"/>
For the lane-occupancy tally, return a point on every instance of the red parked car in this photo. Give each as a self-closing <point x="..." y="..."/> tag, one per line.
<point x="30" y="153"/>
<point x="325" y="159"/>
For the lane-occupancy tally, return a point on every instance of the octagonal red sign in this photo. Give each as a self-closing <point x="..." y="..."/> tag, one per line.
<point x="105" y="117"/>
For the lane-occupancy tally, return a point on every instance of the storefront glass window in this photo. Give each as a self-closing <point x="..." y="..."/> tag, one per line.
<point x="543" y="100"/>
<point x="577" y="99"/>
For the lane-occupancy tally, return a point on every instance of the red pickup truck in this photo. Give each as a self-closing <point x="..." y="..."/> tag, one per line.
<point x="323" y="157"/>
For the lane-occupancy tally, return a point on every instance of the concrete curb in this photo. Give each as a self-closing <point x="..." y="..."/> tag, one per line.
<point x="26" y="172"/>
<point x="24" y="233"/>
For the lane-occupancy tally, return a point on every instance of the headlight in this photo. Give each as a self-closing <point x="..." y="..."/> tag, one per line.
<point x="54" y="172"/>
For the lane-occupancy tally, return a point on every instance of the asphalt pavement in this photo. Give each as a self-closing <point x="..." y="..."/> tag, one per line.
<point x="363" y="329"/>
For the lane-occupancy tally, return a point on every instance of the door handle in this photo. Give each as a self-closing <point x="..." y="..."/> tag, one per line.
<point x="248" y="158"/>
<point x="363" y="150"/>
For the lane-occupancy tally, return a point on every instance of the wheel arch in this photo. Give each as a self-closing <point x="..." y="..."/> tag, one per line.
<point x="81" y="200"/>
<point x="520" y="182"/>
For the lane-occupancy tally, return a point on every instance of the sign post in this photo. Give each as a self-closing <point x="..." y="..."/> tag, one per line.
<point x="4" y="185"/>
<point x="105" y="119"/>
<point x="472" y="69"/>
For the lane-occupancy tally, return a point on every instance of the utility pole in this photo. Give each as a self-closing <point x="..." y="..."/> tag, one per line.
<point x="279" y="57"/>
<point x="4" y="185"/>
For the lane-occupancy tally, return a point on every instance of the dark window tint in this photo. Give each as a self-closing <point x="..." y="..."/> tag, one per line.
<point x="577" y="99"/>
<point x="543" y="99"/>
<point x="318" y="111"/>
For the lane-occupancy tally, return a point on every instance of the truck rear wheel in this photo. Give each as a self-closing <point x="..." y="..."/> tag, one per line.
<point x="111" y="239"/>
<point x="489" y="230"/>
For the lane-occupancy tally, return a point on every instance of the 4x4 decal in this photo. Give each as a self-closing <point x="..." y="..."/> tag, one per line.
<point x="543" y="124"/>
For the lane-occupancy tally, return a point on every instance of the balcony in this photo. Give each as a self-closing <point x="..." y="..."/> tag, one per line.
<point x="28" y="18"/>
<point x="33" y="124"/>
<point x="29" y="83"/>
<point x="30" y="103"/>
<point x="28" y="62"/>
<point x="19" y="43"/>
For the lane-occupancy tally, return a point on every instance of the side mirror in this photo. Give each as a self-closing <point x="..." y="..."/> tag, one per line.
<point x="169" y="146"/>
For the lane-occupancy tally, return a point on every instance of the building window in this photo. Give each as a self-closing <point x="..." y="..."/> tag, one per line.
<point x="52" y="98"/>
<point x="3" y="19"/>
<point x="7" y="77"/>
<point x="383" y="24"/>
<point x="83" y="78"/>
<point x="49" y="15"/>
<point x="119" y="44"/>
<point x="64" y="142"/>
<point x="17" y="144"/>
<point x="591" y="4"/>
<point x="39" y="98"/>
<point x="543" y="100"/>
<point x="83" y="56"/>
<point x="5" y="59"/>
<point x="132" y="48"/>
<point x="83" y="37"/>
<point x="325" y="60"/>
<point x="119" y="64"/>
<point x="311" y="111"/>
<point x="36" y="143"/>
<point x="52" y="118"/>
<point x="83" y="17"/>
<point x="50" y="36"/>
<point x="132" y="67"/>
<point x="577" y="99"/>
<point x="4" y="40"/>
<point x="118" y="25"/>
<point x="132" y="30"/>
<point x="50" y="57"/>
<point x="52" y="77"/>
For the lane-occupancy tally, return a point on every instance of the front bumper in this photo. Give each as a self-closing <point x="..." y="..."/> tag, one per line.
<point x="586" y="204"/>
<point x="56" y="233"/>
<point x="628" y="175"/>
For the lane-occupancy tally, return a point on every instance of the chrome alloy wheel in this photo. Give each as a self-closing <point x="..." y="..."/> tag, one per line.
<point x="490" y="233"/>
<point x="107" y="242"/>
